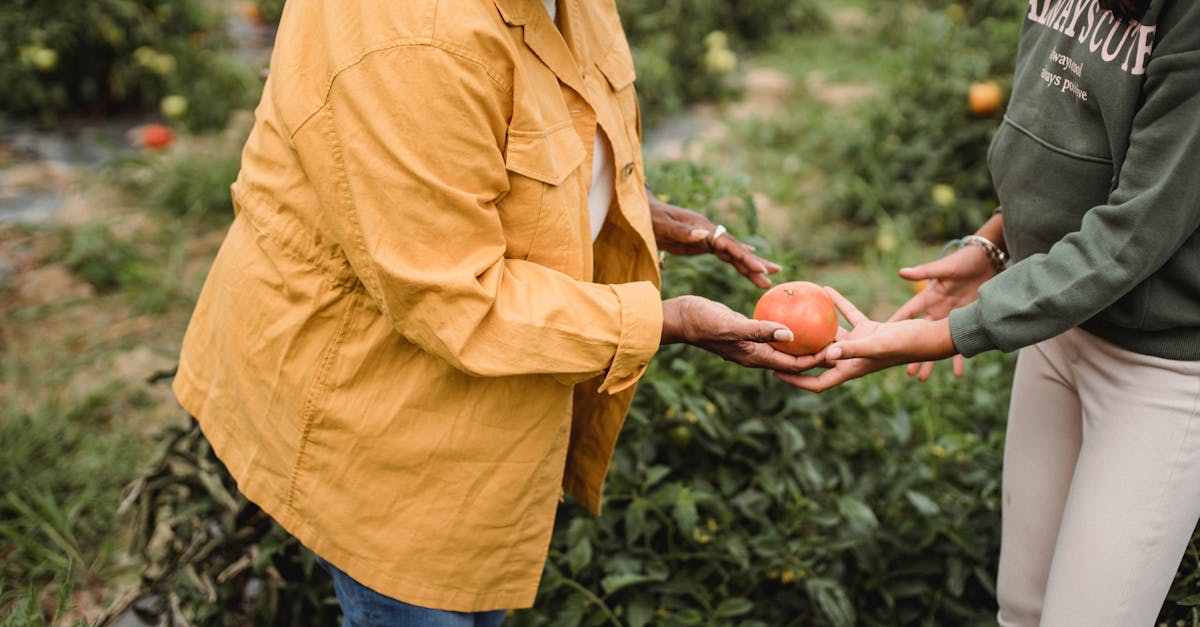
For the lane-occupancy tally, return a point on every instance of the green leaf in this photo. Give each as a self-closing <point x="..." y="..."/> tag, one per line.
<point x="639" y="612"/>
<point x="579" y="530"/>
<point x="1189" y="601"/>
<point x="572" y="614"/>
<point x="857" y="514"/>
<point x="754" y="426"/>
<point x="923" y="504"/>
<point x="612" y="583"/>
<point x="956" y="576"/>
<point x="831" y="601"/>
<point x="790" y="439"/>
<point x="654" y="474"/>
<point x="685" y="510"/>
<point x="734" y="606"/>
<point x="902" y="425"/>
<point x="579" y="556"/>
<point x="635" y="520"/>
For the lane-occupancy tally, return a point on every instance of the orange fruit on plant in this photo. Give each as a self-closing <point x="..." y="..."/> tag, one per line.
<point x="156" y="136"/>
<point x="806" y="309"/>
<point x="984" y="98"/>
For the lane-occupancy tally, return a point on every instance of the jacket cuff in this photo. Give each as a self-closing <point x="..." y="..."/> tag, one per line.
<point x="967" y="333"/>
<point x="641" y="332"/>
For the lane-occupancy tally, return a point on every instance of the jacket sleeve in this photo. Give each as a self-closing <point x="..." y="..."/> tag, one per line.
<point x="407" y="155"/>
<point x="1152" y="212"/>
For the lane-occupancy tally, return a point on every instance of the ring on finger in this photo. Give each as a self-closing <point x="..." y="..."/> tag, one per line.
<point x="717" y="232"/>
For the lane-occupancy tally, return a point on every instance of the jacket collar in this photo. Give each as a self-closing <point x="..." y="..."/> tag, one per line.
<point x="545" y="40"/>
<point x="514" y="12"/>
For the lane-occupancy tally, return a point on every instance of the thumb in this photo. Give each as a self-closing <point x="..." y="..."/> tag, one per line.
<point x="763" y="331"/>
<point x="845" y="349"/>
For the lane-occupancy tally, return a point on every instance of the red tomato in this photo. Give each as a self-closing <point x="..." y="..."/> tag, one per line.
<point x="806" y="309"/>
<point x="156" y="136"/>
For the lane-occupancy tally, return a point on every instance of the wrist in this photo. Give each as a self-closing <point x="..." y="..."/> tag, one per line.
<point x="996" y="255"/>
<point x="943" y="339"/>
<point x="672" y="328"/>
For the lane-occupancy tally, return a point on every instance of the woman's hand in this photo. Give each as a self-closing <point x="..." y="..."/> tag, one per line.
<point x="952" y="282"/>
<point x="724" y="332"/>
<point x="872" y="346"/>
<point x="683" y="232"/>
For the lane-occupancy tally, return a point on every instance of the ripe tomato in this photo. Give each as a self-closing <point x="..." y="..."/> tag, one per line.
<point x="156" y="136"/>
<point x="806" y="309"/>
<point x="984" y="98"/>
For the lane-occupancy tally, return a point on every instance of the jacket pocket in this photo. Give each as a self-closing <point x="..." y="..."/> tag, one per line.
<point x="541" y="214"/>
<point x="548" y="156"/>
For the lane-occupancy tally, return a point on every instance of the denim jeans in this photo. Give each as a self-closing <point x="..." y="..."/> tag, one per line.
<point x="363" y="607"/>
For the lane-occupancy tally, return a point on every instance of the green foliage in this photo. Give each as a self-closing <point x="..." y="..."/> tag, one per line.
<point x="684" y="49"/>
<point x="62" y="471"/>
<point x="917" y="150"/>
<point x="24" y="609"/>
<point x="111" y="55"/>
<point x="190" y="185"/>
<point x="108" y="262"/>
<point x="734" y="499"/>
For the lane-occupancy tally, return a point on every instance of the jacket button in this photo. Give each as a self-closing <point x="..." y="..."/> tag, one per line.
<point x="582" y="73"/>
<point x="627" y="170"/>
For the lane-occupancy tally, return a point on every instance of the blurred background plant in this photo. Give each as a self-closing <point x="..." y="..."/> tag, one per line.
<point x="687" y="50"/>
<point x="102" y="57"/>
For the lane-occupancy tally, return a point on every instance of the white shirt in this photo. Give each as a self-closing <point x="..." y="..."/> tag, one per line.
<point x="603" y="171"/>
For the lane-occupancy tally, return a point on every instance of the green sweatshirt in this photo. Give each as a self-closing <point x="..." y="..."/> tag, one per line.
<point x="1097" y="167"/>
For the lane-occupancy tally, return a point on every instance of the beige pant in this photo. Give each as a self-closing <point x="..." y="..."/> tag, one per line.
<point x="1101" y="484"/>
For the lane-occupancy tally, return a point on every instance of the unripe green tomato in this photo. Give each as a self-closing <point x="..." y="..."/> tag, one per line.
<point x="680" y="436"/>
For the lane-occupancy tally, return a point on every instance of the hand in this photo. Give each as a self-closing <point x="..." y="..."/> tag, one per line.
<point x="872" y="346"/>
<point x="734" y="337"/>
<point x="683" y="232"/>
<point x="953" y="281"/>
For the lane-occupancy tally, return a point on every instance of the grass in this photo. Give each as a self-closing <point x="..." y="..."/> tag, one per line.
<point x="96" y="309"/>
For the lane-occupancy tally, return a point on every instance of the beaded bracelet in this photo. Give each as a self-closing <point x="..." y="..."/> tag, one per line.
<point x="997" y="257"/>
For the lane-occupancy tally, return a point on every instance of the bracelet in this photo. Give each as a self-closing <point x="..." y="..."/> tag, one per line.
<point x="998" y="257"/>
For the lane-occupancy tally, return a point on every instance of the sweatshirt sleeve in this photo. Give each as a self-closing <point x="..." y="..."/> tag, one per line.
<point x="409" y="147"/>
<point x="1152" y="212"/>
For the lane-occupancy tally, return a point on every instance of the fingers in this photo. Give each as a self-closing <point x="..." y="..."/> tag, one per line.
<point x="914" y="307"/>
<point x="815" y="383"/>
<point x="923" y="370"/>
<point x="764" y="356"/>
<point x="849" y="311"/>
<point x="730" y="250"/>
<point x="943" y="268"/>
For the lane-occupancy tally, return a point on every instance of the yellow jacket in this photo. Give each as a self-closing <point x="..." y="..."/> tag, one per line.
<point x="408" y="344"/>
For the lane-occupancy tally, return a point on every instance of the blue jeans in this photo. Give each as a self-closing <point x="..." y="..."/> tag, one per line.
<point x="363" y="607"/>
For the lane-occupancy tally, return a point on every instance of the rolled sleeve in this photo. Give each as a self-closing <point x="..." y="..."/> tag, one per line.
<point x="641" y="331"/>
